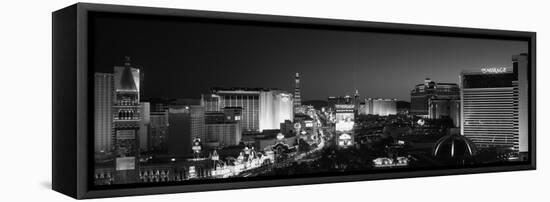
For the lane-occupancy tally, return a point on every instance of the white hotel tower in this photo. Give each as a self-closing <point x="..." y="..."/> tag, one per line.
<point x="494" y="110"/>
<point x="261" y="108"/>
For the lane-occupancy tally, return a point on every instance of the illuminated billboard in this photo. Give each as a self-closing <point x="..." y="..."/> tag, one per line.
<point x="494" y="70"/>
<point x="343" y="126"/>
<point x="345" y="140"/>
<point x="126" y="163"/>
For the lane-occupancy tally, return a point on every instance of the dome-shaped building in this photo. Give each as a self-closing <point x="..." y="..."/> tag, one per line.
<point x="454" y="149"/>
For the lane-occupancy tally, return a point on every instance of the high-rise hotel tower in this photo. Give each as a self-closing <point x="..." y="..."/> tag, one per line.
<point x="126" y="123"/>
<point x="261" y="108"/>
<point x="103" y="115"/>
<point x="494" y="109"/>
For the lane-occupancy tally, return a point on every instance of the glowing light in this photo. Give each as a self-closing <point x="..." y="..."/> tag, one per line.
<point x="493" y="70"/>
<point x="344" y="125"/>
<point x="345" y="140"/>
<point x="280" y="136"/>
<point x="421" y="122"/>
<point x="345" y="137"/>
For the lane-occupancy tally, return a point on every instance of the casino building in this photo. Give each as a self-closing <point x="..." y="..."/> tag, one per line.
<point x="378" y="106"/>
<point x="445" y="108"/>
<point x="422" y="93"/>
<point x="345" y="122"/>
<point x="185" y="122"/>
<point x="494" y="106"/>
<point x="261" y="108"/>
<point x="222" y="128"/>
<point x="126" y="123"/>
<point x="333" y="101"/>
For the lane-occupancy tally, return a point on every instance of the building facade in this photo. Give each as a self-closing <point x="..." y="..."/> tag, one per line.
<point x="445" y="108"/>
<point x="103" y="115"/>
<point x="378" y="106"/>
<point x="260" y="108"/>
<point x="491" y="107"/>
<point x="344" y="117"/>
<point x="211" y="102"/>
<point x="333" y="101"/>
<point x="126" y="123"/>
<point x="158" y="132"/>
<point x="247" y="99"/>
<point x="222" y="134"/>
<point x="223" y="129"/>
<point x="186" y="122"/>
<point x="422" y="93"/>
<point x="521" y="64"/>
<point x="145" y="121"/>
<point x="275" y="107"/>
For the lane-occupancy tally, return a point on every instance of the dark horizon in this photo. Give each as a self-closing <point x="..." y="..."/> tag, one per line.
<point x="186" y="59"/>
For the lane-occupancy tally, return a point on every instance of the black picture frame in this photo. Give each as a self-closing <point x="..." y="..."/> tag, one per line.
<point x="72" y="91"/>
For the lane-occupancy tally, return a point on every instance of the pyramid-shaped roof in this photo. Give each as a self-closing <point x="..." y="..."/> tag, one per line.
<point x="127" y="82"/>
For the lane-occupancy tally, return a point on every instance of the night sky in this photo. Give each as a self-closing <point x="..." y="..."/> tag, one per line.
<point x="185" y="59"/>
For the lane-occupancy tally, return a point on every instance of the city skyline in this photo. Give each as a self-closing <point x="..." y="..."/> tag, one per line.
<point x="192" y="57"/>
<point x="217" y="138"/>
<point x="244" y="89"/>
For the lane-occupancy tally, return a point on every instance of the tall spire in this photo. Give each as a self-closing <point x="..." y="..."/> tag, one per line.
<point x="297" y="93"/>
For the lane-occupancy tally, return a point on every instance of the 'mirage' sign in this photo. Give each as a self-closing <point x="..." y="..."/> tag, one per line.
<point x="493" y="70"/>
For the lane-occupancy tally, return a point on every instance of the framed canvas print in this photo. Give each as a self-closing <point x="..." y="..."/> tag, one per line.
<point x="154" y="100"/>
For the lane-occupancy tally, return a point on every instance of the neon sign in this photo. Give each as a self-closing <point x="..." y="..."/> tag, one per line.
<point x="493" y="70"/>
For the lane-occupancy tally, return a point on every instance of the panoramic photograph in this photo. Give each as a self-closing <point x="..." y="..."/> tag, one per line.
<point x="184" y="101"/>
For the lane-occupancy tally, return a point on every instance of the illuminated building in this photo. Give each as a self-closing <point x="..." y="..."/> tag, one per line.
<point x="247" y="99"/>
<point x="126" y="123"/>
<point x="441" y="108"/>
<point x="212" y="117"/>
<point x="103" y="115"/>
<point x="233" y="113"/>
<point x="158" y="132"/>
<point x="422" y="93"/>
<point x="333" y="101"/>
<point x="185" y="123"/>
<point x="275" y="107"/>
<point x="305" y="127"/>
<point x="223" y="128"/>
<point x="521" y="63"/>
<point x="270" y="139"/>
<point x="211" y="102"/>
<point x="261" y="108"/>
<point x="345" y="140"/>
<point x="297" y="92"/>
<point x="381" y="107"/>
<point x="223" y="134"/>
<point x="491" y="106"/>
<point x="385" y="162"/>
<point x="344" y="125"/>
<point x="145" y="120"/>
<point x="344" y="117"/>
